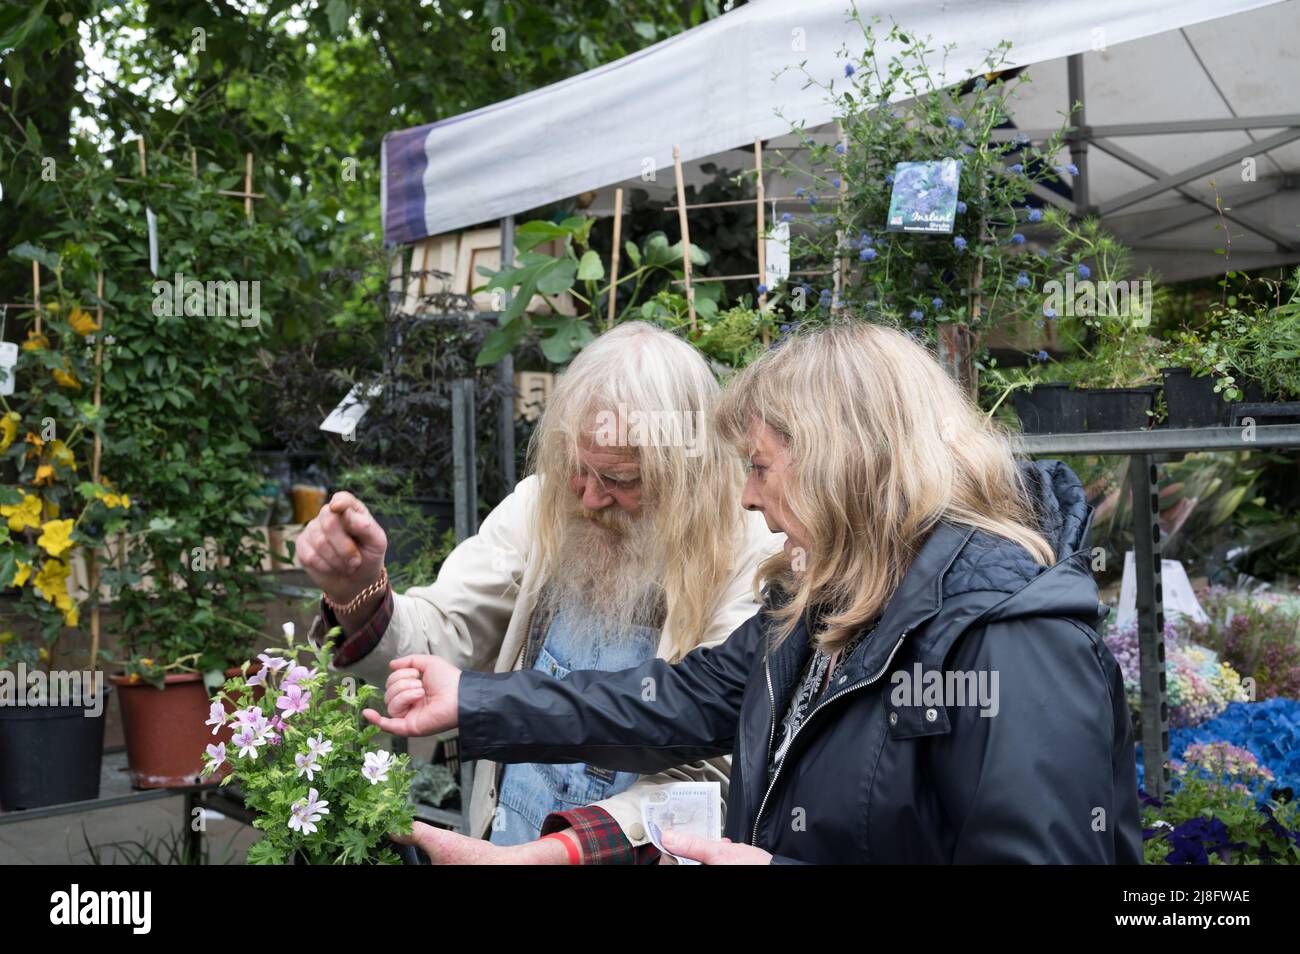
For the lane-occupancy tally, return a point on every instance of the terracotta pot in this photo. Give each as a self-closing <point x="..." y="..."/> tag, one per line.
<point x="165" y="734"/>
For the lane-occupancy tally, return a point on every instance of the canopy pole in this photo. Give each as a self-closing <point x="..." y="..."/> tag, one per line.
<point x="686" y="237"/>
<point x="1078" y="140"/>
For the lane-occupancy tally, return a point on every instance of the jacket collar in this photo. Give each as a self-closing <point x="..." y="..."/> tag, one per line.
<point x="918" y="599"/>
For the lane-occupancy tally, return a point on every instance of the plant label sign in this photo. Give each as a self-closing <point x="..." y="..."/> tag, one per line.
<point x="777" y="257"/>
<point x="344" y="418"/>
<point x="925" y="196"/>
<point x="8" y="361"/>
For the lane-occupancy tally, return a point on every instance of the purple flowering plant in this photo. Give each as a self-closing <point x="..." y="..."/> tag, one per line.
<point x="323" y="788"/>
<point x="900" y="107"/>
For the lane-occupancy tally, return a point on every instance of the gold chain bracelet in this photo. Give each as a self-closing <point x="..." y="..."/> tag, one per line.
<point x="361" y="597"/>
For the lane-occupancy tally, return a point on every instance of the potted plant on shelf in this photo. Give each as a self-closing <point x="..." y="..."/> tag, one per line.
<point x="1104" y="316"/>
<point x="1043" y="405"/>
<point x="1270" y="356"/>
<point x="308" y="764"/>
<point x="51" y="515"/>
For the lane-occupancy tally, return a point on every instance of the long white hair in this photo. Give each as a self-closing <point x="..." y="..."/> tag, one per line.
<point x="690" y="486"/>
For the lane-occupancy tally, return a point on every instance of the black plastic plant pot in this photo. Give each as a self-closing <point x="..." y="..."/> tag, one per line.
<point x="1056" y="408"/>
<point x="1192" y="400"/>
<point x="50" y="754"/>
<point x="1120" y="409"/>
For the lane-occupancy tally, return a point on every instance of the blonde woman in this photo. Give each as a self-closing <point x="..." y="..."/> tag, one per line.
<point x="923" y="683"/>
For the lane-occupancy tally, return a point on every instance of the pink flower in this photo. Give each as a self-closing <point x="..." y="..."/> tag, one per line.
<point x="306" y="812"/>
<point x="216" y="717"/>
<point x="297" y="675"/>
<point x="248" y="741"/>
<point x="273" y="663"/>
<point x="377" y="765"/>
<point x="307" y="765"/>
<point x="293" y="701"/>
<point x="218" y="755"/>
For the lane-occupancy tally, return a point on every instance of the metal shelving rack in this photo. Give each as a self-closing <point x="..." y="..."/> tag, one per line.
<point x="1146" y="450"/>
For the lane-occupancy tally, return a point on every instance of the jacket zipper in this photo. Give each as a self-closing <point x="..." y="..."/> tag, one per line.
<point x="789" y="748"/>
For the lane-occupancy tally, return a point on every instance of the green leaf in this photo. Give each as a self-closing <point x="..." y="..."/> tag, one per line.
<point x="590" y="268"/>
<point x="338" y="12"/>
<point x="633" y="253"/>
<point x="532" y="234"/>
<point x="498" y="343"/>
<point x="29" y="252"/>
<point x="557" y="276"/>
<point x="17" y="35"/>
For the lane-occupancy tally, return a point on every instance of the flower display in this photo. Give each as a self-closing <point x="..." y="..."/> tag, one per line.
<point x="308" y="763"/>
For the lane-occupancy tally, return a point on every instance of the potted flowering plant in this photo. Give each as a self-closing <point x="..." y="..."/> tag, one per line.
<point x="51" y="514"/>
<point x="306" y="762"/>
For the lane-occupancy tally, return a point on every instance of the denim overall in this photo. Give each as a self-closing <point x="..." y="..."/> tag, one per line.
<point x="530" y="792"/>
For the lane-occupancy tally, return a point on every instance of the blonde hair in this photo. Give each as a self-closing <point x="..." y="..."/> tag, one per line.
<point x="883" y="447"/>
<point x="693" y="492"/>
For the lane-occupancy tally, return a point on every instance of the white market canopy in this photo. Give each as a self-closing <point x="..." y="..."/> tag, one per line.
<point x="1176" y="93"/>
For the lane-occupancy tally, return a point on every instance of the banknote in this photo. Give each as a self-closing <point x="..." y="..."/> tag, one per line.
<point x="693" y="808"/>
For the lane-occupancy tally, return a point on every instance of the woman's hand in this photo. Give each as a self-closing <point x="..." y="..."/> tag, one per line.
<point x="422" y="697"/>
<point x="448" y="848"/>
<point x="709" y="852"/>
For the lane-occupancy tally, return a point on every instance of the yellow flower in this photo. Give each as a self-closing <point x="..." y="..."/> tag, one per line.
<point x="110" y="497"/>
<point x="134" y="678"/>
<point x="44" y="654"/>
<point x="53" y="307"/>
<point x="23" y="515"/>
<point x="8" y="430"/>
<point x="145" y="661"/>
<point x="35" y="440"/>
<point x="59" y="451"/>
<point x="71" y="617"/>
<point x="66" y="379"/>
<point x="51" y="511"/>
<point x="44" y="475"/>
<point x="81" y="322"/>
<point x="52" y="583"/>
<point x="55" y="538"/>
<point x="36" y="341"/>
<point x="23" y="574"/>
<point x="6" y="637"/>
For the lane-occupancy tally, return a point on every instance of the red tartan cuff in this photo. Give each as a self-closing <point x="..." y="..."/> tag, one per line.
<point x="366" y="637"/>
<point x="601" y="838"/>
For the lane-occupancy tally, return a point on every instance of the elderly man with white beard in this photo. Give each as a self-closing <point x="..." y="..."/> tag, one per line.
<point x="627" y="541"/>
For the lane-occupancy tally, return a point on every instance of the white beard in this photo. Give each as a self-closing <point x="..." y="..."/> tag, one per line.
<point x="605" y="573"/>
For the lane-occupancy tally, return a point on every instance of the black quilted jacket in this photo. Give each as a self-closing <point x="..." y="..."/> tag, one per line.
<point x="1040" y="769"/>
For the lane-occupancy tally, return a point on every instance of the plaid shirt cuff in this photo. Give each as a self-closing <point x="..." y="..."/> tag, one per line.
<point x="366" y="637"/>
<point x="602" y="840"/>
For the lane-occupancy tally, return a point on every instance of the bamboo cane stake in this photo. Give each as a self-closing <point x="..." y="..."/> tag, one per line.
<point x="761" y="228"/>
<point x="614" y="255"/>
<point x="686" y="236"/>
<point x="143" y="169"/>
<point x="93" y="563"/>
<point x="36" y="292"/>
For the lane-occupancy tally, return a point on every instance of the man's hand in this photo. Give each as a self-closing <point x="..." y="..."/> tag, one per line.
<point x="422" y="697"/>
<point x="343" y="549"/>
<point x="448" y="848"/>
<point x="709" y="852"/>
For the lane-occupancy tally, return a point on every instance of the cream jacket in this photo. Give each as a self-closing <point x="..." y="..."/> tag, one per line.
<point x="476" y="616"/>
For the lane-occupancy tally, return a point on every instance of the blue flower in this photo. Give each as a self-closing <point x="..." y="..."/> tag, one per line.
<point x="868" y="255"/>
<point x="826" y="293"/>
<point x="1049" y="313"/>
<point x="785" y="216"/>
<point x="961" y="208"/>
<point x="956" y="122"/>
<point x="1084" y="271"/>
<point x="981" y="84"/>
<point x="960" y="243"/>
<point x="968" y="148"/>
<point x="1017" y="239"/>
<point x="889" y="180"/>
<point x="1018" y="168"/>
<point x="1072" y="169"/>
<point x="848" y="69"/>
<point x="812" y="200"/>
<point x="1042" y="357"/>
<point x="917" y="315"/>
<point x="836" y="182"/>
<point x="799" y="192"/>
<point x="839" y="149"/>
<point x="866" y="240"/>
<point x="762" y="289"/>
<point x="1022" y="280"/>
<point x="1035" y="215"/>
<point x="936" y="302"/>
